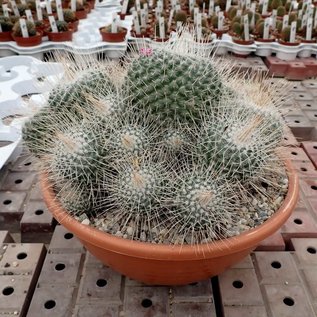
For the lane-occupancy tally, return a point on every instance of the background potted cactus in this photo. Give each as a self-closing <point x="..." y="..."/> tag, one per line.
<point x="71" y="19"/>
<point x="166" y="169"/>
<point x="64" y="32"/>
<point x="109" y="36"/>
<point x="6" y="29"/>
<point x="34" y="37"/>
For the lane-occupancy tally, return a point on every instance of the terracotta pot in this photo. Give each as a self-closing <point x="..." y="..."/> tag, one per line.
<point x="73" y="25"/>
<point x="60" y="36"/>
<point x="161" y="264"/>
<point x="133" y="34"/>
<point x="122" y="16"/>
<point x="5" y="36"/>
<point x="113" y="37"/>
<point x="28" y="41"/>
<point x="82" y="14"/>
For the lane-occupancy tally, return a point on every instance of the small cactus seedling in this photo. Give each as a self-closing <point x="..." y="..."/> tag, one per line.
<point x="69" y="16"/>
<point x="275" y="4"/>
<point x="286" y="33"/>
<point x="281" y="11"/>
<point x="181" y="16"/>
<point x="29" y="25"/>
<point x="6" y="24"/>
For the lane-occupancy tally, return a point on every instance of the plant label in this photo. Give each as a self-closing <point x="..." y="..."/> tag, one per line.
<point x="204" y="8"/>
<point x="266" y="29"/>
<point x="53" y="24"/>
<point x="114" y="23"/>
<point x="315" y="19"/>
<point x="39" y="12"/>
<point x="15" y="8"/>
<point x="173" y="4"/>
<point x="220" y="20"/>
<point x="253" y="6"/>
<point x="199" y="27"/>
<point x="309" y="29"/>
<point x="160" y="6"/>
<point x="228" y="5"/>
<point x="124" y="7"/>
<point x="59" y="9"/>
<point x="242" y="4"/>
<point x="211" y="7"/>
<point x="191" y="5"/>
<point x="265" y="6"/>
<point x="179" y="25"/>
<point x="196" y="11"/>
<point x="246" y="27"/>
<point x="273" y="19"/>
<point x="157" y="13"/>
<point x="48" y="6"/>
<point x="23" y="2"/>
<point x="143" y="18"/>
<point x="248" y="4"/>
<point x="146" y="11"/>
<point x="285" y="21"/>
<point x="136" y="22"/>
<point x="304" y="20"/>
<point x="162" y="27"/>
<point x="293" y="32"/>
<point x="300" y="13"/>
<point x="24" y="29"/>
<point x="29" y="16"/>
<point x="178" y="7"/>
<point x="73" y="5"/>
<point x="310" y="12"/>
<point x="239" y="13"/>
<point x="170" y="18"/>
<point x="138" y="5"/>
<point x="5" y="10"/>
<point x="217" y="10"/>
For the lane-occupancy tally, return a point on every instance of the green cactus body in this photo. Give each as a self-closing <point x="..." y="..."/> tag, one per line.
<point x="281" y="11"/>
<point x="29" y="25"/>
<point x="137" y="187"/>
<point x="286" y="34"/>
<point x="129" y="141"/>
<point x="240" y="148"/>
<point x="201" y="204"/>
<point x="152" y="82"/>
<point x="76" y="154"/>
<point x="6" y="24"/>
<point x="62" y="26"/>
<point x="69" y="15"/>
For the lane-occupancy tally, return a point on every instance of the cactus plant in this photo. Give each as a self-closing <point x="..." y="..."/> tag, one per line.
<point x="176" y="142"/>
<point x="286" y="33"/>
<point x="281" y="11"/>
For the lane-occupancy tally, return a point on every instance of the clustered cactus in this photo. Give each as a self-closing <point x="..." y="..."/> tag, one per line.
<point x="171" y="145"/>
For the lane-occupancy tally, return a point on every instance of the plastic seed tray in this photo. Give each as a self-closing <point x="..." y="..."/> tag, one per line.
<point x="21" y="76"/>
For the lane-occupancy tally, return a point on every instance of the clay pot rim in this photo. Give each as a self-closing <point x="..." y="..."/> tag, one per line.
<point x="175" y="252"/>
<point x="288" y="43"/>
<point x="125" y="30"/>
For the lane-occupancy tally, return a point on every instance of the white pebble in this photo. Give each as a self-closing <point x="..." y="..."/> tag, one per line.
<point x="129" y="231"/>
<point x="143" y="236"/>
<point x="15" y="264"/>
<point x="85" y="222"/>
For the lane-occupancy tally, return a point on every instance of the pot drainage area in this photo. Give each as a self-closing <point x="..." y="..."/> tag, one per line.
<point x="45" y="271"/>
